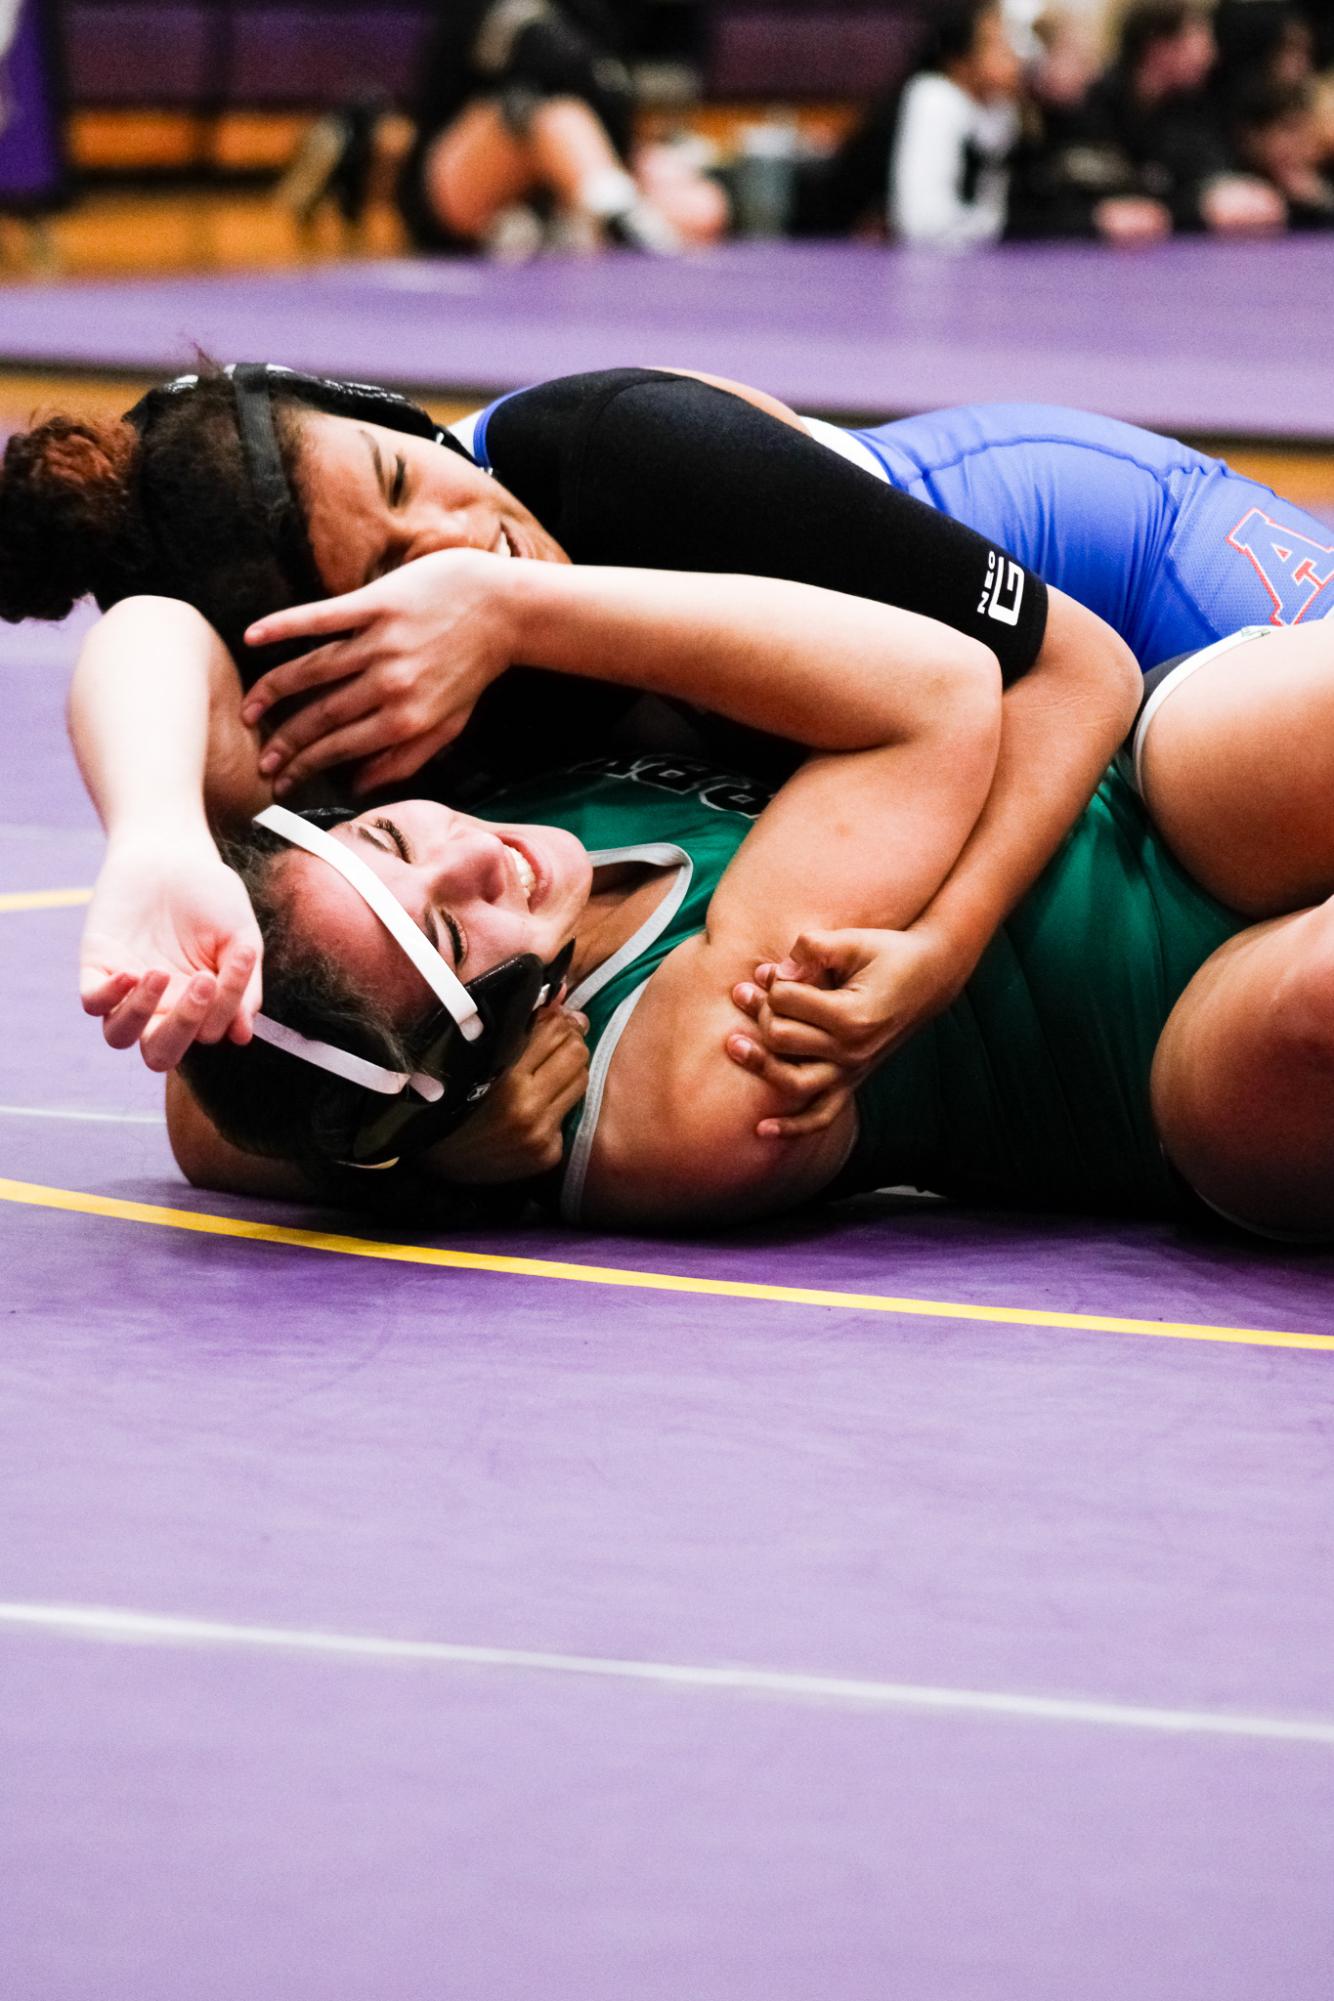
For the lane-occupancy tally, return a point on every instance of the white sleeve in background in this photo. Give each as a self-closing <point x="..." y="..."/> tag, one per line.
<point x="937" y="124"/>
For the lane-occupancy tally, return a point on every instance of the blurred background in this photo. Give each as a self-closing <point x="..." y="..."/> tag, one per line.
<point x="149" y="139"/>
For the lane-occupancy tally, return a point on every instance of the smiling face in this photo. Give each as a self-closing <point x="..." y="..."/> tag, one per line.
<point x="376" y="498"/>
<point x="481" y="891"/>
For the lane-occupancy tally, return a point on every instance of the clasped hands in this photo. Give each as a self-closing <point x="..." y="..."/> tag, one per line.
<point x="829" y="1013"/>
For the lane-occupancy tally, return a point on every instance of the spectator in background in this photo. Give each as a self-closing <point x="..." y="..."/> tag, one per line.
<point x="929" y="160"/>
<point x="1153" y="109"/>
<point x="1065" y="181"/>
<point x="1262" y="44"/>
<point x="524" y="118"/>
<point x="1278" y="137"/>
<point x="958" y="122"/>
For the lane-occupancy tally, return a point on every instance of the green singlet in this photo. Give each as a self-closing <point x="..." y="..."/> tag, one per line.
<point x="1033" y="1088"/>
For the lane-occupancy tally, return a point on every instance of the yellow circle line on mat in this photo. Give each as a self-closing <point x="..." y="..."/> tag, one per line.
<point x="77" y="1203"/>
<point x="43" y="899"/>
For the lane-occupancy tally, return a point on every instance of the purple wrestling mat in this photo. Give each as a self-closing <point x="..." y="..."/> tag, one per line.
<point x="380" y="1627"/>
<point x="1200" y="338"/>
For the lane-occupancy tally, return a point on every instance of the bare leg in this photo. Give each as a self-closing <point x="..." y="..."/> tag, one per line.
<point x="695" y="206"/>
<point x="1238" y="771"/>
<point x="570" y="149"/>
<point x="476" y="168"/>
<point x="1243" y="1079"/>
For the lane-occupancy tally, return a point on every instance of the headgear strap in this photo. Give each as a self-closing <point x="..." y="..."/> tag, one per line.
<point x="448" y="989"/>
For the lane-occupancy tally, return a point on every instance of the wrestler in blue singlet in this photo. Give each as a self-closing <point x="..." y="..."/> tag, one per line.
<point x="1172" y="548"/>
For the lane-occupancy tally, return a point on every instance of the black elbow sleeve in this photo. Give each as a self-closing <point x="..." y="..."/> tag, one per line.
<point x="663" y="472"/>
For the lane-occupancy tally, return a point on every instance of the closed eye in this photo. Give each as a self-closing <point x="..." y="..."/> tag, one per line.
<point x="399" y="840"/>
<point x="399" y="481"/>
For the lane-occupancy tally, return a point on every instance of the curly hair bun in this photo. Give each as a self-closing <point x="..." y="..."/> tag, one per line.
<point x="69" y="525"/>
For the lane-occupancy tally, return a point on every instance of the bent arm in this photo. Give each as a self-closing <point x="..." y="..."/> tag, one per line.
<point x="873" y="830"/>
<point x="733" y="488"/>
<point x="1060" y="727"/>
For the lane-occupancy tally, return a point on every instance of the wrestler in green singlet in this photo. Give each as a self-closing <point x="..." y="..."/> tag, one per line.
<point x="1034" y="1087"/>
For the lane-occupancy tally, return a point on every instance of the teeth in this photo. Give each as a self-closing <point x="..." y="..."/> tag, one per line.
<point x="523" y="868"/>
<point x="501" y="545"/>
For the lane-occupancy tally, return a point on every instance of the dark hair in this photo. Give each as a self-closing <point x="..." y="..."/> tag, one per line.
<point x="262" y="1099"/>
<point x="101" y="510"/>
<point x="1150" y="22"/>
<point x="1268" y="104"/>
<point x="1250" y="34"/>
<point x="951" y="32"/>
<point x="270" y="1103"/>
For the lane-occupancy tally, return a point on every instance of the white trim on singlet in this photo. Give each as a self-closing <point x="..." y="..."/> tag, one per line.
<point x="465" y="430"/>
<point x="658" y="854"/>
<point x="661" y="854"/>
<point x="847" y="446"/>
<point x="581" y="1148"/>
<point x="1169" y="685"/>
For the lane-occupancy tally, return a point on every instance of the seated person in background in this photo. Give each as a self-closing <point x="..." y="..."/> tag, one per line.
<point x="1260" y="43"/>
<point x="1157" y="128"/>
<point x="1061" y="185"/>
<point x="525" y="114"/>
<point x="929" y="160"/>
<point x="1278" y="137"/>
<point x="958" y="121"/>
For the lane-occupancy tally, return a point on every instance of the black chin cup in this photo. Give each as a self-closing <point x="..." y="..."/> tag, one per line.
<point x="506" y="997"/>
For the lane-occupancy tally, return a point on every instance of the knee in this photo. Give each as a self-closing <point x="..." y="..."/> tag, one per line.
<point x="1303" y="999"/>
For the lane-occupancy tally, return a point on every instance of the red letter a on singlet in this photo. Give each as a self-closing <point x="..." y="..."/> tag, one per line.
<point x="1293" y="569"/>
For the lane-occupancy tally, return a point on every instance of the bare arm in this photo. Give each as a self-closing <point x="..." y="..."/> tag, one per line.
<point x="170" y="949"/>
<point x="872" y="830"/>
<point x="1061" y="724"/>
<point x="1060" y="727"/>
<point x="154" y="717"/>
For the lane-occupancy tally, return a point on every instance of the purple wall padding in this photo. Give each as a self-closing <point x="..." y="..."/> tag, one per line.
<point x="31" y="153"/>
<point x="135" y="52"/>
<point x="767" y="50"/>
<point x="283" y="53"/>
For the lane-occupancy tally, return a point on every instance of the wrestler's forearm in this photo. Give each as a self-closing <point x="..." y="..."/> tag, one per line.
<point x="151" y="716"/>
<point x="138" y="716"/>
<point x="819" y="667"/>
<point x="1060" y="727"/>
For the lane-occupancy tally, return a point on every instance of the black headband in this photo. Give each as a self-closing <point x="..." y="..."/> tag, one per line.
<point x="274" y="499"/>
<point x="254" y="385"/>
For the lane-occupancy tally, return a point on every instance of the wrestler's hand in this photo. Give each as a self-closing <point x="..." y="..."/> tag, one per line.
<point x="516" y="1132"/>
<point x="838" y="1005"/>
<point x="171" y="951"/>
<point x="401" y="665"/>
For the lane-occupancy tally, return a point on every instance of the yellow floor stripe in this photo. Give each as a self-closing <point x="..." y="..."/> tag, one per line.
<point x="44" y="899"/>
<point x="71" y="1200"/>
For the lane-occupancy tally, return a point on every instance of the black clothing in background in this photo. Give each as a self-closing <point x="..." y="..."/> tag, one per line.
<point x="835" y="196"/>
<point x="571" y="48"/>
<point x="1060" y="171"/>
<point x="1171" y="150"/>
